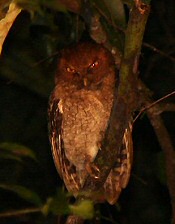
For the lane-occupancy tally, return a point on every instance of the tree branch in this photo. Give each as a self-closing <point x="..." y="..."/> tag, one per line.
<point x="164" y="141"/>
<point x="167" y="147"/>
<point x="125" y="102"/>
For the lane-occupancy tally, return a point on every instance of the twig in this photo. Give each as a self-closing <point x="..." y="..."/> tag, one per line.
<point x="20" y="212"/>
<point x="44" y="59"/>
<point x="153" y="104"/>
<point x="167" y="107"/>
<point x="158" y="51"/>
<point x="164" y="141"/>
<point x="167" y="147"/>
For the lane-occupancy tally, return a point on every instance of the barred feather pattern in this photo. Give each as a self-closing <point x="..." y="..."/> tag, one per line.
<point x="79" y="111"/>
<point x="65" y="169"/>
<point x="118" y="177"/>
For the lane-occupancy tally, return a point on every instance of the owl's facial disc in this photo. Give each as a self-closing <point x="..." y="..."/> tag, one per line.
<point x="78" y="77"/>
<point x="73" y="72"/>
<point x="86" y="76"/>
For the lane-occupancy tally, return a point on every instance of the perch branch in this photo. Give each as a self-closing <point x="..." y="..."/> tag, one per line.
<point x="125" y="102"/>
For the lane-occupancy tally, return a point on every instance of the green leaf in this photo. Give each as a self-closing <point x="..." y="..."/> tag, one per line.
<point x="59" y="204"/>
<point x="55" y="4"/>
<point x="84" y="209"/>
<point x="4" y="155"/>
<point x="15" y="151"/>
<point x="113" y="11"/>
<point x="117" y="12"/>
<point x="112" y="20"/>
<point x="37" y="5"/>
<point x="47" y="206"/>
<point x="23" y="193"/>
<point x="29" y="5"/>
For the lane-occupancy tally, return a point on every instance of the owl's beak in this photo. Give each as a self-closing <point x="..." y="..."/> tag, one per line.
<point x="85" y="82"/>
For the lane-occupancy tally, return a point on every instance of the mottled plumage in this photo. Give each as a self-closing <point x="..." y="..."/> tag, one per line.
<point x="79" y="111"/>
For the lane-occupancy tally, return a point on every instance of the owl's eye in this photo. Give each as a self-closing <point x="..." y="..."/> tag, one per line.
<point x="70" y="70"/>
<point x="93" y="65"/>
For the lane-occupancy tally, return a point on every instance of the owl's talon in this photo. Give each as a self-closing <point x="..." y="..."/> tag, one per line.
<point x="92" y="170"/>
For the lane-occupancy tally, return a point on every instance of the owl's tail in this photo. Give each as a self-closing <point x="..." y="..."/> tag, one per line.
<point x="119" y="176"/>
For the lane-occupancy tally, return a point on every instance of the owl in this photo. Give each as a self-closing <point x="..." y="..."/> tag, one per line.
<point x="79" y="112"/>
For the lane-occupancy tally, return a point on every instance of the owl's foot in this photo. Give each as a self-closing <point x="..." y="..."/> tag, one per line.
<point x="93" y="170"/>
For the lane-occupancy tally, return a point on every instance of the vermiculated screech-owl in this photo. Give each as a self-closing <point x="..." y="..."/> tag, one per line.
<point x="79" y="112"/>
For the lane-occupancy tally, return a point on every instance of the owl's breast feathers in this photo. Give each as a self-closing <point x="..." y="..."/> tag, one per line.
<point x="79" y="118"/>
<point x="84" y="122"/>
<point x="78" y="121"/>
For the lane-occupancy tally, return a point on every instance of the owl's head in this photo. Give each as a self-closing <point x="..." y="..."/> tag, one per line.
<point x="85" y="65"/>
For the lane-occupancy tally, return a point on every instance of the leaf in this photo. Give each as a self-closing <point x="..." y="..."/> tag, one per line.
<point x="111" y="21"/>
<point x="59" y="204"/>
<point x="23" y="193"/>
<point x="117" y="12"/>
<point x="29" y="5"/>
<point x="113" y="11"/>
<point x="37" y="5"/>
<point x="4" y="155"/>
<point x="4" y="5"/>
<point x="84" y="209"/>
<point x="56" y="5"/>
<point x="16" y="151"/>
<point x="7" y="22"/>
<point x="46" y="208"/>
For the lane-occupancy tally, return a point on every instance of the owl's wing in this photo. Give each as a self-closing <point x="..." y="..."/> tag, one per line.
<point x="65" y="169"/>
<point x="119" y="176"/>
